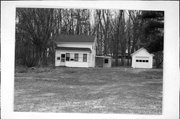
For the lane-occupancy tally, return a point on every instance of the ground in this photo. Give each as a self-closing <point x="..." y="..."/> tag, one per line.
<point x="89" y="90"/>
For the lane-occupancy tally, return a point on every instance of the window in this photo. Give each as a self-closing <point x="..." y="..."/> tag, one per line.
<point x="142" y="60"/>
<point x="106" y="61"/>
<point x="62" y="57"/>
<point x="58" y="58"/>
<point x="67" y="56"/>
<point x="84" y="57"/>
<point x="71" y="56"/>
<point x="76" y="57"/>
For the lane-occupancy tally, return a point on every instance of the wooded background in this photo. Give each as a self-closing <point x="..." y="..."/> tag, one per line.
<point x="119" y="33"/>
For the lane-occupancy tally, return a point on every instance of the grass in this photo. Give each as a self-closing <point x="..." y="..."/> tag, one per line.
<point x="89" y="90"/>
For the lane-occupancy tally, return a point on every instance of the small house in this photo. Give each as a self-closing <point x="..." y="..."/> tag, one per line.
<point x="142" y="59"/>
<point x="75" y="51"/>
<point x="103" y="61"/>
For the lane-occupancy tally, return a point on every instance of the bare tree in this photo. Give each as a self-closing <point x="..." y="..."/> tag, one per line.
<point x="35" y="28"/>
<point x="118" y="32"/>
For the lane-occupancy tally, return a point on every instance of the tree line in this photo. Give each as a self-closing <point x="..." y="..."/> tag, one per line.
<point x="118" y="32"/>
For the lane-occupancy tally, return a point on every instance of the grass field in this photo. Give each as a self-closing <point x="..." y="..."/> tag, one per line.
<point x="89" y="90"/>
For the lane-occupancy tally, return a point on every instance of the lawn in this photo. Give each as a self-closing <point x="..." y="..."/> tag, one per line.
<point x="89" y="90"/>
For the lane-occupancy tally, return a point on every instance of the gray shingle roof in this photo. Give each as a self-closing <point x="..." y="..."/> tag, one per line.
<point x="75" y="38"/>
<point x="74" y="48"/>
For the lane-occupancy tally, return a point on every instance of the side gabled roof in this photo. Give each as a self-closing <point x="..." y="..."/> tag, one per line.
<point x="74" y="38"/>
<point x="74" y="49"/>
<point x="140" y="50"/>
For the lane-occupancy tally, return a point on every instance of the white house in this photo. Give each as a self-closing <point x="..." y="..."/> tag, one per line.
<point x="75" y="51"/>
<point x="142" y="59"/>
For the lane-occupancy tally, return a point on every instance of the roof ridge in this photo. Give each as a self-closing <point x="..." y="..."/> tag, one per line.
<point x="140" y="50"/>
<point x="75" y="38"/>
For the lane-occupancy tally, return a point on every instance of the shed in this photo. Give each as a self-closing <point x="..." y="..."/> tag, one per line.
<point x="142" y="59"/>
<point x="103" y="61"/>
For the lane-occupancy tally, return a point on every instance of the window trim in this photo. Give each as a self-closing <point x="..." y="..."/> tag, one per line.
<point x="67" y="57"/>
<point x="143" y="61"/>
<point x="63" y="57"/>
<point x="76" y="59"/>
<point x="58" y="58"/>
<point x="84" y="58"/>
<point x="106" y="59"/>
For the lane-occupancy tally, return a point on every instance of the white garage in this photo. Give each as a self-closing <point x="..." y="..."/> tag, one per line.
<point x="142" y="59"/>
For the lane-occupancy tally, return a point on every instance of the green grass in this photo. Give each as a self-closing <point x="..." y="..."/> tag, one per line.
<point x="89" y="90"/>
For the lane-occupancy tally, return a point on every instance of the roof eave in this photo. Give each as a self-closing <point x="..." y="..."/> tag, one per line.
<point x="73" y="42"/>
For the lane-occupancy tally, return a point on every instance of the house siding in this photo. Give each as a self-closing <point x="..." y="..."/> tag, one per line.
<point x="145" y="60"/>
<point x="90" y="55"/>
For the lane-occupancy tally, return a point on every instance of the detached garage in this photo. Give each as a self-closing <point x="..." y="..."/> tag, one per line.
<point x="142" y="59"/>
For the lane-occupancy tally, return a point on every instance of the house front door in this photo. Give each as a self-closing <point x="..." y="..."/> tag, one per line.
<point x="63" y="56"/>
